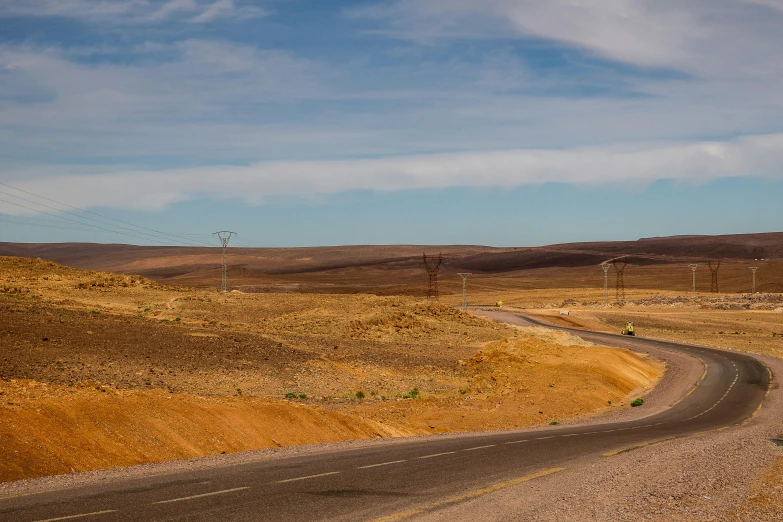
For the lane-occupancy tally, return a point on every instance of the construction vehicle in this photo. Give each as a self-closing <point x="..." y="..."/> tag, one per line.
<point x="628" y="330"/>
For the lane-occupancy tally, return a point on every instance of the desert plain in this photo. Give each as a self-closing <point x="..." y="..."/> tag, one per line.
<point x="131" y="355"/>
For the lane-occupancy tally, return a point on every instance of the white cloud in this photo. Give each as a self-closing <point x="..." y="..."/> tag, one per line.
<point x="699" y="36"/>
<point x="633" y="165"/>
<point x="132" y="11"/>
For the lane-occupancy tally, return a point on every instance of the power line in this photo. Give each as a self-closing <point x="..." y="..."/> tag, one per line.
<point x="83" y="217"/>
<point x="44" y="225"/>
<point x="81" y="222"/>
<point x="159" y="232"/>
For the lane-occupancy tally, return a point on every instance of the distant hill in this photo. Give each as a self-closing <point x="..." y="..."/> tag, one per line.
<point x="327" y="268"/>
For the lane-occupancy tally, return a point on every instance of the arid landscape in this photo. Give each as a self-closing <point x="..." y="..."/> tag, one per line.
<point x="104" y="367"/>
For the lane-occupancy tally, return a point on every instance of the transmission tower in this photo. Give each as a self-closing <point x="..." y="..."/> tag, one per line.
<point x="619" y="268"/>
<point x="224" y="236"/>
<point x="753" y="270"/>
<point x="464" y="277"/>
<point x="693" y="268"/>
<point x="605" y="266"/>
<point x="432" y="264"/>
<point x="714" y="281"/>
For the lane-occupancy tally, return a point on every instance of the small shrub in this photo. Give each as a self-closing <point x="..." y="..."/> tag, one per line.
<point x="178" y="319"/>
<point x="463" y="391"/>
<point x="360" y="394"/>
<point x="302" y="395"/>
<point x="239" y="391"/>
<point x="637" y="402"/>
<point x="290" y="395"/>
<point x="554" y="423"/>
<point x="413" y="394"/>
<point x="610" y="402"/>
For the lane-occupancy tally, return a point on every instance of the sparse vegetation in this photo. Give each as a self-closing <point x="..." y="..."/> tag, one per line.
<point x="637" y="402"/>
<point x="413" y="394"/>
<point x="360" y="394"/>
<point x="554" y="423"/>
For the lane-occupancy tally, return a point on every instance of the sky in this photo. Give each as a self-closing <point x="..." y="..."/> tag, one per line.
<point x="304" y="122"/>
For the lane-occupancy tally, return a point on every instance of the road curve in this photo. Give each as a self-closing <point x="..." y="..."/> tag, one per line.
<point x="387" y="482"/>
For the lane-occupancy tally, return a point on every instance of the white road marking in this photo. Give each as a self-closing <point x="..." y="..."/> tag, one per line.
<point x="307" y="477"/>
<point x="69" y="517"/>
<point x="201" y="495"/>
<point x="381" y="464"/>
<point x="436" y="455"/>
<point x="516" y="441"/>
<point x="480" y="447"/>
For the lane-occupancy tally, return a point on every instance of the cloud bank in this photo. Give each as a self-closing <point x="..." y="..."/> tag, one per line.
<point x="634" y="165"/>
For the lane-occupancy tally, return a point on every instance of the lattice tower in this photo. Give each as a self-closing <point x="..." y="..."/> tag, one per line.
<point x="619" y="268"/>
<point x="432" y="264"/>
<point x="714" y="279"/>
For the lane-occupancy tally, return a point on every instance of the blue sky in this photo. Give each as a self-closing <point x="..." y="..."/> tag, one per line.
<point x="294" y="122"/>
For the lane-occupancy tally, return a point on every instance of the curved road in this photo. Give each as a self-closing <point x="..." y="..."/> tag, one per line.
<point x="387" y="482"/>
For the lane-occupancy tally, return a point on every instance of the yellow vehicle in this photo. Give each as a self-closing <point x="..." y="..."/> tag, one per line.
<point x="499" y="304"/>
<point x="628" y="330"/>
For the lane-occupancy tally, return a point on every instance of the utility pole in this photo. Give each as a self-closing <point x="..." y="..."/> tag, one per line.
<point x="432" y="265"/>
<point x="605" y="266"/>
<point x="693" y="292"/>
<point x="753" y="270"/>
<point x="714" y="280"/>
<point x="224" y="236"/>
<point x="619" y="268"/>
<point x="464" y="277"/>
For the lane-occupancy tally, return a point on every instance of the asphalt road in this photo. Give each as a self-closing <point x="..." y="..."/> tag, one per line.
<point x="398" y="481"/>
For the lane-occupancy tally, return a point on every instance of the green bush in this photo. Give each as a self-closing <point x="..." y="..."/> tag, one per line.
<point x="413" y="394"/>
<point x="637" y="402"/>
<point x="302" y="395"/>
<point x="291" y="395"/>
<point x="554" y="423"/>
<point x="360" y="394"/>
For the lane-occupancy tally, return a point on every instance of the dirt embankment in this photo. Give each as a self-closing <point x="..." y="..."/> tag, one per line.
<point x="49" y="429"/>
<point x="99" y="370"/>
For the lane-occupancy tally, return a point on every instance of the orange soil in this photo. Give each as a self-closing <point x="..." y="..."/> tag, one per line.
<point x="46" y="429"/>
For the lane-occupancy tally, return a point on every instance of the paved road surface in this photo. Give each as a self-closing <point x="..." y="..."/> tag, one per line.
<point x="397" y="481"/>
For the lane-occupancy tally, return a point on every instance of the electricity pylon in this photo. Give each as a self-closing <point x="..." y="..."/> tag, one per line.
<point x="714" y="280"/>
<point x="432" y="264"/>
<point x="753" y="270"/>
<point x="619" y="268"/>
<point x="224" y="236"/>
<point x="464" y="277"/>
<point x="605" y="266"/>
<point x="694" y="267"/>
